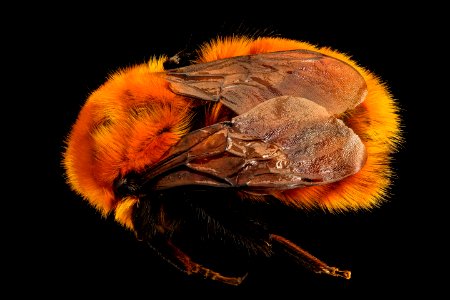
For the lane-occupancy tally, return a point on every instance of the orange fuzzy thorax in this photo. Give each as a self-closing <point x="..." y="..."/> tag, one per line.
<point x="376" y="121"/>
<point x="126" y="124"/>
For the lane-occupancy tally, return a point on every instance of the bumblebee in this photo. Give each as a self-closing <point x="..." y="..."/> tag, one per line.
<point x="174" y="154"/>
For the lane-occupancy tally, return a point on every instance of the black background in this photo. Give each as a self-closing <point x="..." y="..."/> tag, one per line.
<point x="61" y="246"/>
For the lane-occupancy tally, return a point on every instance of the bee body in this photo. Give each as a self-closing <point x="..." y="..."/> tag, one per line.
<point x="250" y="120"/>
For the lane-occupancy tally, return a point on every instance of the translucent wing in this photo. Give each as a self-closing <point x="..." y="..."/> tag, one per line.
<point x="243" y="82"/>
<point x="282" y="143"/>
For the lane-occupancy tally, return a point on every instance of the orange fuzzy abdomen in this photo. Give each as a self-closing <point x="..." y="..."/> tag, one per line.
<point x="376" y="121"/>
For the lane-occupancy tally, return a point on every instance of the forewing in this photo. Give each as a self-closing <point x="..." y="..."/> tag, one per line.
<point x="283" y="143"/>
<point x="241" y="83"/>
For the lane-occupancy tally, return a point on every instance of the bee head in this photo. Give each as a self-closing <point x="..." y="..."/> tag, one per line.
<point x="126" y="125"/>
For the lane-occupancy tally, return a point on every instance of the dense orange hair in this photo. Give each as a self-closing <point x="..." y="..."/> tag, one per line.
<point x="129" y="122"/>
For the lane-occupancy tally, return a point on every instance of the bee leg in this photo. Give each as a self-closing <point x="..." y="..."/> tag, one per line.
<point x="191" y="267"/>
<point x="308" y="260"/>
<point x="181" y="261"/>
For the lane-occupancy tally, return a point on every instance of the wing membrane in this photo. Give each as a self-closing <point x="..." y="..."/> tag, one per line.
<point x="283" y="143"/>
<point x="241" y="83"/>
